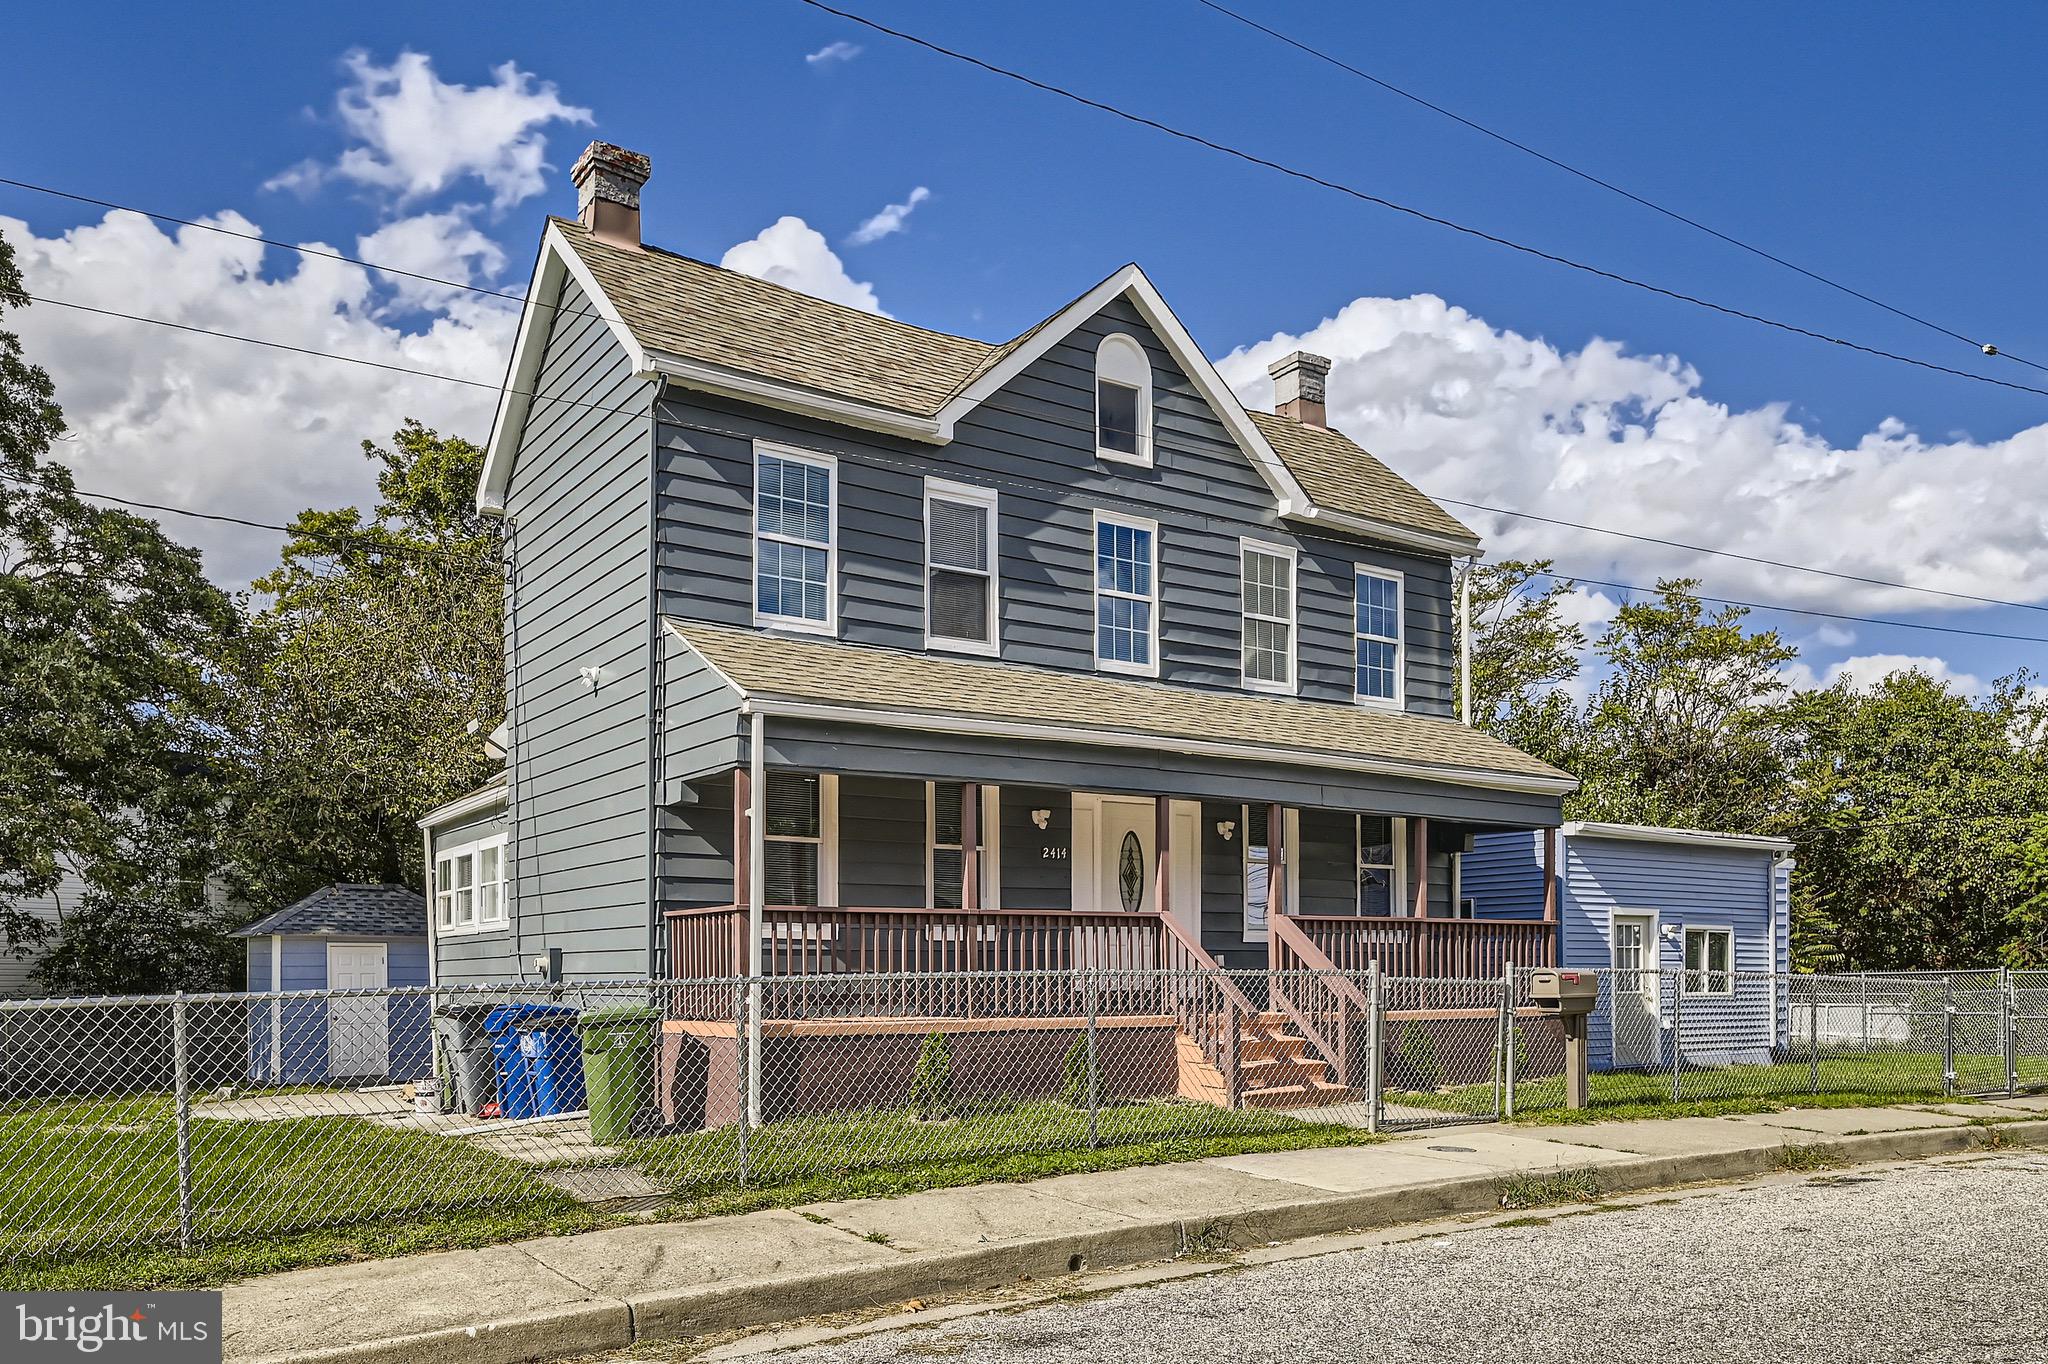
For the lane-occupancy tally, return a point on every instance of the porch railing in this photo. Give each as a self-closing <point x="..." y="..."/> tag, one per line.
<point x="1306" y="988"/>
<point x="1466" y="949"/>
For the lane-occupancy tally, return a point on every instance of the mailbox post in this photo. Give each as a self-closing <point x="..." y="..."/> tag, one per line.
<point x="1570" y="995"/>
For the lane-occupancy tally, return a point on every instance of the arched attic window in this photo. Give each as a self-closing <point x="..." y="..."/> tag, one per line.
<point x="1123" y="401"/>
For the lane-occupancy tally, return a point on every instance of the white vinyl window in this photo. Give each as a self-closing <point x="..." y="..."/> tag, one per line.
<point x="960" y="602"/>
<point x="795" y="535"/>
<point x="1709" y="961"/>
<point x="469" y="886"/>
<point x="1126" y="595"/>
<point x="1266" y="597"/>
<point x="1123" y="401"/>
<point x="799" y="839"/>
<point x="1378" y="627"/>
<point x="945" y="873"/>
<point x="1382" y="858"/>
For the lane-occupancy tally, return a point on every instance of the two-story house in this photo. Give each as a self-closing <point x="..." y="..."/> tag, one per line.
<point x="836" y="644"/>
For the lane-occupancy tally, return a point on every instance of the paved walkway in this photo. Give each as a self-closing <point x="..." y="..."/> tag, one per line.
<point x="602" y="1290"/>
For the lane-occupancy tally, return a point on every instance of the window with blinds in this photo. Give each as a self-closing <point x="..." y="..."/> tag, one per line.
<point x="960" y="567"/>
<point x="792" y="839"/>
<point x="947" y="864"/>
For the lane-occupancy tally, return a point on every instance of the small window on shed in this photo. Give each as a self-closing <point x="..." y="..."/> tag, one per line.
<point x="1123" y="401"/>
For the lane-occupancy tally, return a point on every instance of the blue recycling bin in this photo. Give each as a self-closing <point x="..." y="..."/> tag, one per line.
<point x="516" y="1091"/>
<point x="553" y="1050"/>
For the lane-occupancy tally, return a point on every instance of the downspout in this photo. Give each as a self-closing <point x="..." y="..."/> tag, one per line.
<point x="757" y="881"/>
<point x="1465" y="641"/>
<point x="657" y="953"/>
<point x="433" y="927"/>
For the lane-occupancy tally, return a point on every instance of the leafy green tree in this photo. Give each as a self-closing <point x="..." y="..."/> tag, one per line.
<point x="2026" y="943"/>
<point x="1522" y="649"/>
<point x="1683" y="730"/>
<point x="373" y="677"/>
<point x="112" y="714"/>
<point x="1916" y="813"/>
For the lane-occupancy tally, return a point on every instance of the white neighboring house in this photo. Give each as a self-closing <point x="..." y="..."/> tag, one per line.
<point x="51" y="909"/>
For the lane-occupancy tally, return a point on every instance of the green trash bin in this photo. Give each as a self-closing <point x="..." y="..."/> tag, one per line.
<point x="618" y="1069"/>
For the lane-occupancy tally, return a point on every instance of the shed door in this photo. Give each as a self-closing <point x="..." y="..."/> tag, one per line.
<point x="1634" y="992"/>
<point x="357" y="1031"/>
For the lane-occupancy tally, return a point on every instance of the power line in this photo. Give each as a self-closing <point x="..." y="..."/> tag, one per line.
<point x="1364" y="196"/>
<point x="1745" y="558"/>
<point x="1477" y="127"/>
<point x="742" y="435"/>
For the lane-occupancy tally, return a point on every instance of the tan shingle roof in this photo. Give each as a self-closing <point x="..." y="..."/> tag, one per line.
<point x="1338" y="473"/>
<point x="716" y="316"/>
<point x="831" y="673"/>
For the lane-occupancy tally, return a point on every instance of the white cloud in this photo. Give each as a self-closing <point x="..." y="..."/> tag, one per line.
<point x="833" y="54"/>
<point x="418" y="134"/>
<point x="792" y="253"/>
<point x="442" y="245"/>
<point x="1867" y="670"/>
<point x="1630" y="441"/>
<point x="889" y="221"/>
<point x="201" y="422"/>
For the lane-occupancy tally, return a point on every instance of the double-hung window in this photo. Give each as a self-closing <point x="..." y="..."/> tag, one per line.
<point x="960" y="567"/>
<point x="1380" y="852"/>
<point x="1126" y="595"/>
<point x="794" y="543"/>
<point x="1709" y="961"/>
<point x="1378" y="628"/>
<point x="469" y="886"/>
<point x="1266" y="575"/>
<point x="796" y="840"/>
<point x="947" y="868"/>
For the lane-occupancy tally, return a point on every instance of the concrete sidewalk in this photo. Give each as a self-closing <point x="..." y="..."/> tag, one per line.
<point x="567" y="1295"/>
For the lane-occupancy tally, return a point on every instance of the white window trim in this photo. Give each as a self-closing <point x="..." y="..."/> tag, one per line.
<point x="1399" y="906"/>
<point x="830" y="625"/>
<point x="1458" y="889"/>
<point x="1290" y="857"/>
<point x="1118" y="340"/>
<point x="1113" y="665"/>
<point x="1685" y="986"/>
<point x="990" y="829"/>
<point x="1247" y="545"/>
<point x="1399" y="700"/>
<point x="473" y="849"/>
<point x="981" y="497"/>
<point x="826" y="839"/>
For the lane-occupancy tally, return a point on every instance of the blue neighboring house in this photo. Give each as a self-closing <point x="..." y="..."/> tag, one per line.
<point x="342" y="937"/>
<point x="1712" y="910"/>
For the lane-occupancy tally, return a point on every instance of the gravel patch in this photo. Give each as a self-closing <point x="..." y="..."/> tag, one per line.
<point x="1933" y="1261"/>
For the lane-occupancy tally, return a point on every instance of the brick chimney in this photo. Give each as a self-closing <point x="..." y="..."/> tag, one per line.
<point x="608" y="180"/>
<point x="1298" y="388"/>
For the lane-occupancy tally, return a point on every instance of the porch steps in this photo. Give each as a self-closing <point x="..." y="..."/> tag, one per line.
<point x="1277" y="1070"/>
<point x="1317" y="1094"/>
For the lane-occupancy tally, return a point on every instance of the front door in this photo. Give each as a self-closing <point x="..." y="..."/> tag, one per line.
<point x="1634" y="1010"/>
<point x="357" y="1031"/>
<point x="1127" y="865"/>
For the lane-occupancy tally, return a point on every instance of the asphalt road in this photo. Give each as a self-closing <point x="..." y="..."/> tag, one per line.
<point x="1935" y="1261"/>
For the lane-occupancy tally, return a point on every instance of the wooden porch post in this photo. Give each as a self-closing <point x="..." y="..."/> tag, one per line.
<point x="1550" y="896"/>
<point x="1277" y="854"/>
<point x="1162" y="843"/>
<point x="1418" y="864"/>
<point x="742" y="860"/>
<point x="970" y="845"/>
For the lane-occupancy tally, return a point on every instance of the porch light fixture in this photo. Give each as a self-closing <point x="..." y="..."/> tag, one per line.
<point x="1041" y="818"/>
<point x="1225" y="828"/>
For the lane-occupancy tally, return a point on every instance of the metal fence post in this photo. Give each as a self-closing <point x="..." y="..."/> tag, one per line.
<point x="1677" y="1034"/>
<point x="1375" y="1049"/>
<point x="744" y="1095"/>
<point x="1866" y="1011"/>
<point x="1507" y="1038"/>
<point x="181" y="1080"/>
<point x="1813" y="1029"/>
<point x="1948" y="1046"/>
<point x="1094" y="1061"/>
<point x="2009" y="1026"/>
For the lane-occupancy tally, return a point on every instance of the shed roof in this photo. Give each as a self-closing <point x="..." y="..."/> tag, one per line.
<point x="1084" y="707"/>
<point x="347" y="911"/>
<point x="1698" y="838"/>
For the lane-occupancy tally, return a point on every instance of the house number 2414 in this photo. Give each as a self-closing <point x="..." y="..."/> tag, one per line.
<point x="1053" y="854"/>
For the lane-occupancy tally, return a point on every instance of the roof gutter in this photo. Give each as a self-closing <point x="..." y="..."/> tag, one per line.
<point x="732" y="383"/>
<point x="1697" y="838"/>
<point x="935" y="722"/>
<point x="1405" y="536"/>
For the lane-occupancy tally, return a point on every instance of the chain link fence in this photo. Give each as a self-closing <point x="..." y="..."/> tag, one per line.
<point x="187" y="1121"/>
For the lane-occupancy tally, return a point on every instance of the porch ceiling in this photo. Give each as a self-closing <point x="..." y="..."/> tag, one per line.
<point x="885" y="686"/>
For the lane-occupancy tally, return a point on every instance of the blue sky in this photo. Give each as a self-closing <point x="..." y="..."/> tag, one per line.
<point x="1892" y="148"/>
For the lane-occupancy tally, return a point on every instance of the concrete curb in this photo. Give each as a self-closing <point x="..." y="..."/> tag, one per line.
<point x="601" y="1323"/>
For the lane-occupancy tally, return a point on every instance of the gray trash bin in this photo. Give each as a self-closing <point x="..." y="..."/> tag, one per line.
<point x="467" y="1047"/>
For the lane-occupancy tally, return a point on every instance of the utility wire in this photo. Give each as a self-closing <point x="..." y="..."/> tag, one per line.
<point x="1565" y="166"/>
<point x="1364" y="196"/>
<point x="742" y="435"/>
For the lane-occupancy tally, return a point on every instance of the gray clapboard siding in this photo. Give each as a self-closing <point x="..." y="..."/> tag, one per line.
<point x="18" y="968"/>
<point x="1034" y="443"/>
<point x="579" y="503"/>
<point x="882" y="842"/>
<point x="1033" y="877"/>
